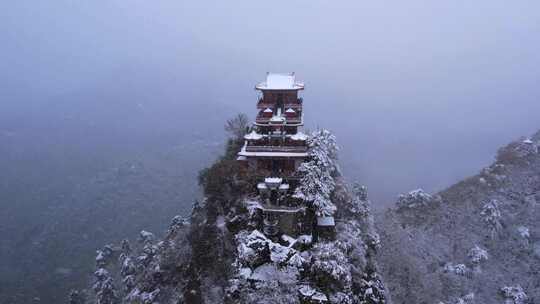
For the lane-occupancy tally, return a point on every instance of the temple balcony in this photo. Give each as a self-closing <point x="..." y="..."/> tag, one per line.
<point x="278" y="120"/>
<point x="294" y="105"/>
<point x="269" y="208"/>
<point x="255" y="148"/>
<point x="263" y="104"/>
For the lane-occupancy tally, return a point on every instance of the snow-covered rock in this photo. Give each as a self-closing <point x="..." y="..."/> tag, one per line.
<point x="272" y="273"/>
<point x="253" y="250"/>
<point x="280" y="254"/>
<point x="311" y="295"/>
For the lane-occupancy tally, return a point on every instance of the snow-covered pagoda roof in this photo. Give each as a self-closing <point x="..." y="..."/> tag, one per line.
<point x="280" y="81"/>
<point x="253" y="136"/>
<point x="298" y="136"/>
<point x="245" y="153"/>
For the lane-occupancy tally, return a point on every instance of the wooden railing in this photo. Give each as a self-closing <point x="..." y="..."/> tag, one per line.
<point x="288" y="120"/>
<point x="294" y="120"/>
<point x="287" y="175"/>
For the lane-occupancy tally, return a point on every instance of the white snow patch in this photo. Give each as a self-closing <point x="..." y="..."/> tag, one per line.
<point x="305" y="239"/>
<point x="146" y="236"/>
<point x="298" y="136"/>
<point x="245" y="272"/>
<point x="220" y="222"/>
<point x="459" y="269"/>
<point x="523" y="232"/>
<point x="278" y="253"/>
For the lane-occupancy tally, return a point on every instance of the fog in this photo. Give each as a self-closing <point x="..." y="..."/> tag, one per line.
<point x="418" y="93"/>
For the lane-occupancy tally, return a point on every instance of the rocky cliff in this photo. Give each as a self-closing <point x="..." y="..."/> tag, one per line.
<point x="218" y="255"/>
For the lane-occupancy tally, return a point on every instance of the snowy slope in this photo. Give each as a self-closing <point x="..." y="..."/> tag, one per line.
<point x="475" y="242"/>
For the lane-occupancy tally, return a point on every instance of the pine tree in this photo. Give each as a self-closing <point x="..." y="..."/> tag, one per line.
<point x="317" y="182"/>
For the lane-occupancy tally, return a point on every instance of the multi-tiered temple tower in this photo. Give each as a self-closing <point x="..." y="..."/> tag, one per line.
<point x="274" y="150"/>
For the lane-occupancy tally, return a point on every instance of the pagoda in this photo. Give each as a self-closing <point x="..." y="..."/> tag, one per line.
<point x="273" y="151"/>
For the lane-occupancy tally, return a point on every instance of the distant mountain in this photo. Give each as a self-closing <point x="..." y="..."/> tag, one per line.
<point x="475" y="242"/>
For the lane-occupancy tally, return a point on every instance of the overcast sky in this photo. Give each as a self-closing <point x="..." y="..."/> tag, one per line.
<point x="419" y="93"/>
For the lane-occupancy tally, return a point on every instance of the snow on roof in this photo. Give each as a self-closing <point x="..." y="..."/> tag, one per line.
<point x="325" y="221"/>
<point x="298" y="136"/>
<point x="241" y="158"/>
<point x="277" y="118"/>
<point x="243" y="152"/>
<point x="268" y="110"/>
<point x="281" y="209"/>
<point x="273" y="180"/>
<point x="284" y="187"/>
<point x="253" y="136"/>
<point x="527" y="141"/>
<point x="278" y="81"/>
<point x="261" y="186"/>
<point x="289" y="110"/>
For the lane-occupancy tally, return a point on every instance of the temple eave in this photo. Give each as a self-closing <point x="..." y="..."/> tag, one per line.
<point x="272" y="154"/>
